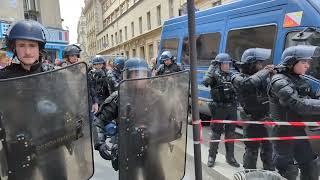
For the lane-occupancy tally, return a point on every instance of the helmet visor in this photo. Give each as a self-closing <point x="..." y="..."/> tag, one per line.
<point x="137" y="73"/>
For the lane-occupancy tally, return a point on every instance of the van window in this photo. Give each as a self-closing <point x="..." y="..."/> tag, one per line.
<point x="314" y="40"/>
<point x="170" y="45"/>
<point x="257" y="37"/>
<point x="207" y="48"/>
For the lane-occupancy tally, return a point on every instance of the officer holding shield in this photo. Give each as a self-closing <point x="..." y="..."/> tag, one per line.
<point x="26" y="39"/>
<point x="35" y="140"/>
<point x="71" y="53"/>
<point x="145" y="129"/>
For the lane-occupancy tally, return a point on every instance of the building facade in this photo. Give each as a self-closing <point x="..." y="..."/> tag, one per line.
<point x="93" y="14"/>
<point x="132" y="27"/>
<point x="82" y="37"/>
<point x="47" y="12"/>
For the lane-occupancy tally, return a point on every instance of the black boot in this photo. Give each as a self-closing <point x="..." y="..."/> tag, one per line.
<point x="250" y="157"/>
<point x="291" y="173"/>
<point x="266" y="156"/>
<point x="311" y="170"/>
<point x="211" y="160"/>
<point x="213" y="150"/>
<point x="230" y="154"/>
<point x="230" y="149"/>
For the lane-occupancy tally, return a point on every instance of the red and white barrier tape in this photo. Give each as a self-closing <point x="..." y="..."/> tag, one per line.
<point x="241" y="122"/>
<point x="267" y="139"/>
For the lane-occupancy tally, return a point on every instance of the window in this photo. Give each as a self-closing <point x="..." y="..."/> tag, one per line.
<point x="217" y="3"/>
<point x="149" y="20"/>
<point x="112" y="40"/>
<point x="120" y="34"/>
<point x="170" y="45"/>
<point x="107" y="45"/>
<point x="140" y="25"/>
<point x="116" y="38"/>
<point x="30" y="5"/>
<point x="170" y="8"/>
<point x="159" y="15"/>
<point x="142" y="53"/>
<point x="207" y="49"/>
<point x="122" y="8"/>
<point x="125" y="33"/>
<point x="151" y="51"/>
<point x="132" y="29"/>
<point x="134" y="53"/>
<point x="103" y="42"/>
<point x="242" y="39"/>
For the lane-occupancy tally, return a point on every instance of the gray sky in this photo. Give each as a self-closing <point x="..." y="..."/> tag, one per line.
<point x="70" y="12"/>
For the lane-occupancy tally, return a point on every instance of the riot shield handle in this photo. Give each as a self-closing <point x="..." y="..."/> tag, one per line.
<point x="20" y="154"/>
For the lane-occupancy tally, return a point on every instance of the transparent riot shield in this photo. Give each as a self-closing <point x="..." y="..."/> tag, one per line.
<point x="44" y="131"/>
<point x="152" y="127"/>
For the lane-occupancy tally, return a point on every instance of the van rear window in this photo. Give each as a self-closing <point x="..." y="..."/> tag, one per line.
<point x="207" y="49"/>
<point x="240" y="40"/>
<point x="170" y="45"/>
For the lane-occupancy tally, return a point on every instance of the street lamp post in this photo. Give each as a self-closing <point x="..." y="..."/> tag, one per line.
<point x="194" y="91"/>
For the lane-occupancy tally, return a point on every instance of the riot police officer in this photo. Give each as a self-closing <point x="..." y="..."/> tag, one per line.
<point x="291" y="100"/>
<point x="26" y="40"/>
<point x="98" y="82"/>
<point x="224" y="106"/>
<point x="27" y="44"/>
<point x="251" y="85"/>
<point x="71" y="53"/>
<point x="168" y="64"/>
<point x="143" y="127"/>
<point x="115" y="76"/>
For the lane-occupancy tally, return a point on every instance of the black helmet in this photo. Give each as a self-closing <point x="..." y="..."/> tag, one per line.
<point x="223" y="58"/>
<point x="292" y="55"/>
<point x="137" y="65"/>
<point x="255" y="54"/>
<point x="71" y="50"/>
<point x="26" y="30"/>
<point x="97" y="60"/>
<point x="118" y="63"/>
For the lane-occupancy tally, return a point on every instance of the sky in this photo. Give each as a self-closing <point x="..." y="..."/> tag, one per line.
<point x="70" y="12"/>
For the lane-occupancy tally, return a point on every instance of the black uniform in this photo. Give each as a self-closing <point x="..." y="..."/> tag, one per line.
<point x="252" y="93"/>
<point x="290" y="100"/>
<point x="107" y="113"/>
<point x="223" y="107"/>
<point x="114" y="77"/>
<point x="98" y="85"/>
<point x="16" y="70"/>
<point x="164" y="69"/>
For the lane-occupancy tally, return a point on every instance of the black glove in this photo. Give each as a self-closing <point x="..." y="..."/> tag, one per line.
<point x="115" y="155"/>
<point x="104" y="151"/>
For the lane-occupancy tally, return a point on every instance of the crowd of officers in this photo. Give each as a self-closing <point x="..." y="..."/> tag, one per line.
<point x="26" y="40"/>
<point x="266" y="93"/>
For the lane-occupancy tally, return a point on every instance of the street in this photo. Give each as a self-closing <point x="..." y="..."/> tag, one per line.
<point x="221" y="171"/>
